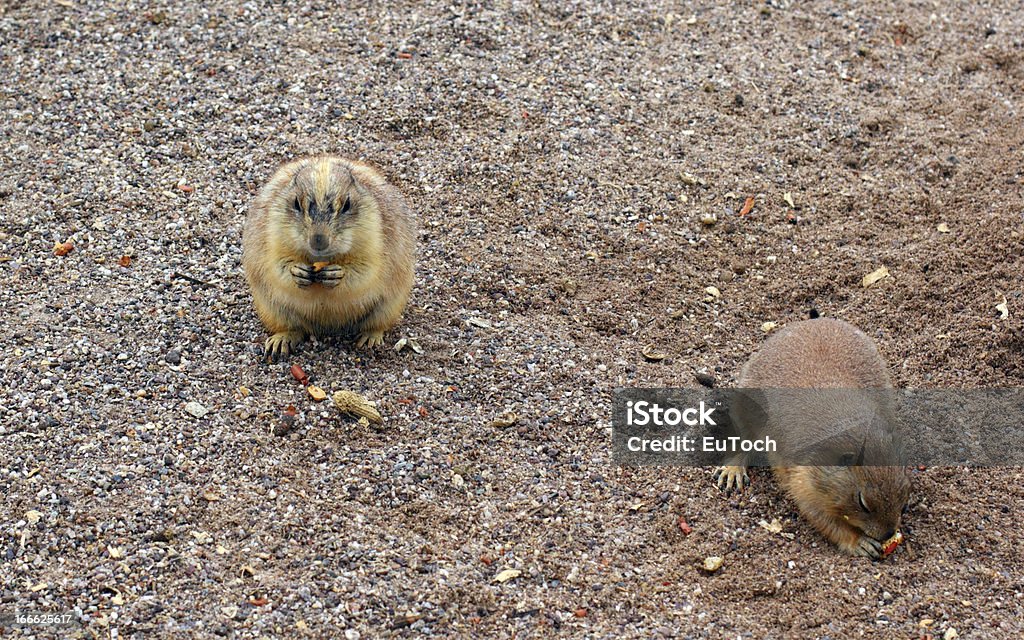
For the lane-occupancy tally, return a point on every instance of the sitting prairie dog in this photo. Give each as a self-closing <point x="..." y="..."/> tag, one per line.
<point x="856" y="507"/>
<point x="328" y="246"/>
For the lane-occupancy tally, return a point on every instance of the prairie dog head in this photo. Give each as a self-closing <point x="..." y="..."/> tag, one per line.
<point x="328" y="209"/>
<point x="869" y="499"/>
<point x="862" y="479"/>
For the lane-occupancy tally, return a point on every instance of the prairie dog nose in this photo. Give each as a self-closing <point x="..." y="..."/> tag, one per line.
<point x="319" y="242"/>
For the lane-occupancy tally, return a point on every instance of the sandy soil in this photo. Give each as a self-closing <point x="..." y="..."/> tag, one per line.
<point x="561" y="158"/>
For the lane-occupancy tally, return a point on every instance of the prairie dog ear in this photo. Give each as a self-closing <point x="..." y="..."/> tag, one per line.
<point x="853" y="458"/>
<point x="359" y="188"/>
<point x="349" y="177"/>
<point x="860" y="454"/>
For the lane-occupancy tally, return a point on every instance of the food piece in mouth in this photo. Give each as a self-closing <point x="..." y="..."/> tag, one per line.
<point x="890" y="545"/>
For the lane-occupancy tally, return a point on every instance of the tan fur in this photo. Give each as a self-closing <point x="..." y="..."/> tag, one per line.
<point x="370" y="257"/>
<point x="830" y="354"/>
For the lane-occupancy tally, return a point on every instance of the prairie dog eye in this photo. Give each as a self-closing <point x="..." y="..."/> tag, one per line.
<point x="297" y="206"/>
<point x="348" y="205"/>
<point x="861" y="501"/>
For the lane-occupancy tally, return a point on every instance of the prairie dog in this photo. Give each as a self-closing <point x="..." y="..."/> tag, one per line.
<point x="855" y="507"/>
<point x="328" y="246"/>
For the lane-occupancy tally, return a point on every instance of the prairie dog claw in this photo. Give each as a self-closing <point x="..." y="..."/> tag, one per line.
<point x="281" y="345"/>
<point x="370" y="339"/>
<point x="330" y="276"/>
<point x="302" y="274"/>
<point x="868" y="547"/>
<point x="732" y="477"/>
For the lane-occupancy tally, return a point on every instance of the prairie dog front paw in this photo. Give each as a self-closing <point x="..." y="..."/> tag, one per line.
<point x="864" y="546"/>
<point x="331" y="275"/>
<point x="302" y="274"/>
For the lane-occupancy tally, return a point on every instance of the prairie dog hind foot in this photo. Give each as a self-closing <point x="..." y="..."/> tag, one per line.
<point x="732" y="477"/>
<point x="282" y="344"/>
<point x="369" y="339"/>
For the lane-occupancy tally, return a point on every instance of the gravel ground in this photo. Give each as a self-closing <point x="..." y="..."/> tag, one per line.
<point x="561" y="158"/>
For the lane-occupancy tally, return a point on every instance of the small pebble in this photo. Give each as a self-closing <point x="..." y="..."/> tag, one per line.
<point x="705" y="379"/>
<point x="195" y="409"/>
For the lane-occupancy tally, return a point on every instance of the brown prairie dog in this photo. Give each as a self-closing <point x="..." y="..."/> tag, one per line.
<point x="328" y="246"/>
<point x="856" y="507"/>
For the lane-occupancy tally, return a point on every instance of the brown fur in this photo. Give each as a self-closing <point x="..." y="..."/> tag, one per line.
<point x="369" y="274"/>
<point x="830" y="354"/>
